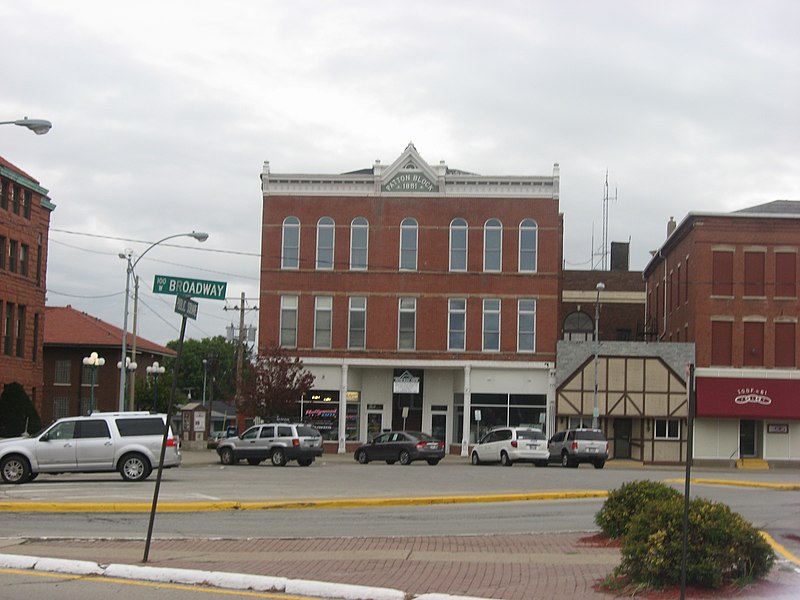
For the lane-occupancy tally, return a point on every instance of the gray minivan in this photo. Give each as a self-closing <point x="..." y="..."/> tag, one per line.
<point x="575" y="446"/>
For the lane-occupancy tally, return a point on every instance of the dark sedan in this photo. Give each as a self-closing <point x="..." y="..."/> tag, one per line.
<point x="402" y="446"/>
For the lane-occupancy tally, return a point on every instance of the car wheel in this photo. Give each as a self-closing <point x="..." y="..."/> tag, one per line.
<point x="253" y="461"/>
<point x="433" y="461"/>
<point x="566" y="461"/>
<point x="305" y="462"/>
<point x="475" y="459"/>
<point x="505" y="460"/>
<point x="278" y="457"/>
<point x="15" y="469"/>
<point x="405" y="458"/>
<point x="227" y="457"/>
<point x="599" y="464"/>
<point x="134" y="467"/>
<point x="362" y="457"/>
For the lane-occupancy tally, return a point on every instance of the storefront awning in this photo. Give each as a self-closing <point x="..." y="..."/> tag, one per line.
<point x="748" y="398"/>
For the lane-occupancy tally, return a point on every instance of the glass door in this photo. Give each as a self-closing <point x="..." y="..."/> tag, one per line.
<point x="747" y="439"/>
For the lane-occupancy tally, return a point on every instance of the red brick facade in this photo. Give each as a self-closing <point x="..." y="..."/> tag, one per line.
<point x="24" y="228"/>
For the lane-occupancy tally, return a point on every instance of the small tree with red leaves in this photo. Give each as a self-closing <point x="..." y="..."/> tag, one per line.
<point x="277" y="383"/>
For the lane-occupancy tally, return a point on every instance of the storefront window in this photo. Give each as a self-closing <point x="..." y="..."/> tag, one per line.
<point x="320" y="409"/>
<point x="499" y="410"/>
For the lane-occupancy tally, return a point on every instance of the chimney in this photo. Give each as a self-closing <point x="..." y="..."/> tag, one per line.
<point x="620" y="254"/>
<point x="671" y="225"/>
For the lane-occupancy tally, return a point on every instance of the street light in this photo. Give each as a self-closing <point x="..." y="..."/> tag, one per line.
<point x="596" y="412"/>
<point x="93" y="361"/>
<point x="123" y="372"/>
<point x="155" y="370"/>
<point x="37" y="126"/>
<point x="127" y="255"/>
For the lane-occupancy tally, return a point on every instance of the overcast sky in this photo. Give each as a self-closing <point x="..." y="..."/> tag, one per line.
<point x="164" y="111"/>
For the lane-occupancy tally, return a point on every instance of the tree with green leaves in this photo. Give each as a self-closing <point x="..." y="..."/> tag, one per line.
<point x="18" y="415"/>
<point x="275" y="385"/>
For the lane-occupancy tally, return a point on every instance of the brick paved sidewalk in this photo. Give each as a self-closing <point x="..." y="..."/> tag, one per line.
<point x="508" y="567"/>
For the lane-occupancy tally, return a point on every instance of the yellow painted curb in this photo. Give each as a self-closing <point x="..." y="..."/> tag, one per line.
<point x="780" y="549"/>
<point x="736" y="483"/>
<point x="138" y="507"/>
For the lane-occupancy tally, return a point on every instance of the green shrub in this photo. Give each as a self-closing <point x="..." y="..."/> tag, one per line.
<point x="722" y="546"/>
<point x="626" y="502"/>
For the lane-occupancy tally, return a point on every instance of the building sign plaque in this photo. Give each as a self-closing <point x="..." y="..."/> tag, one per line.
<point x="748" y="398"/>
<point x="410" y="182"/>
<point x="406" y="384"/>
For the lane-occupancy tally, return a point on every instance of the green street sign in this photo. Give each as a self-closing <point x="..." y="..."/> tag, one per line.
<point x="186" y="307"/>
<point x="193" y="288"/>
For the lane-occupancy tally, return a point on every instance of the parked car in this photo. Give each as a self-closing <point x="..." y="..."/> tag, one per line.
<point x="575" y="446"/>
<point x="402" y="446"/>
<point x="278" y="442"/>
<point x="507" y="445"/>
<point x="128" y="442"/>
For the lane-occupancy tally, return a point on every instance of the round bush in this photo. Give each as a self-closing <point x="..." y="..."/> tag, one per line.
<point x="722" y="546"/>
<point x="627" y="501"/>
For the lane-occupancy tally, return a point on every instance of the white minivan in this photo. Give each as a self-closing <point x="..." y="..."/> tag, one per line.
<point x="507" y="445"/>
<point x="128" y="442"/>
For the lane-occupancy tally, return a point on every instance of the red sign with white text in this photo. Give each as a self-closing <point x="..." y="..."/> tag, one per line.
<point x="748" y="398"/>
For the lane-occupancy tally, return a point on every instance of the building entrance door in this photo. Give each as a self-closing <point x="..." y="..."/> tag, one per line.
<point x="747" y="439"/>
<point x="439" y="426"/>
<point x="374" y="424"/>
<point x="622" y="438"/>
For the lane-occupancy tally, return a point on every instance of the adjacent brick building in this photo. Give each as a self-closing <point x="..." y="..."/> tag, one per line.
<point x="419" y="296"/>
<point x="728" y="283"/>
<point x="25" y="210"/>
<point x="70" y="387"/>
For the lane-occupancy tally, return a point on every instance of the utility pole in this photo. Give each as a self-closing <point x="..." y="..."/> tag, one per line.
<point x="132" y="377"/>
<point x="242" y="307"/>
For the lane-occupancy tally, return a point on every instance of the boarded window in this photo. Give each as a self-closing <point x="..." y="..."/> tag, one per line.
<point x="785" y="345"/>
<point x="786" y="274"/>
<point x="721" y="335"/>
<point x="722" y="274"/>
<point x="753" y="273"/>
<point x="753" y="351"/>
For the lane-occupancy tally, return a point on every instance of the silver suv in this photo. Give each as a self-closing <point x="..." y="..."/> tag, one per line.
<point x="508" y="445"/>
<point x="128" y="442"/>
<point x="278" y="442"/>
<point x="575" y="446"/>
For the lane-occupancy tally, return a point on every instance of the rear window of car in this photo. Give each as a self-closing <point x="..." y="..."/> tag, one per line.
<point x="590" y="435"/>
<point x="140" y="426"/>
<point x="424" y="437"/>
<point x="532" y="434"/>
<point x="308" y="432"/>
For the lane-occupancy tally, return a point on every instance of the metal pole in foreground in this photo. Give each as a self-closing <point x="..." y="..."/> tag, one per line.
<point x="164" y="440"/>
<point x="689" y="450"/>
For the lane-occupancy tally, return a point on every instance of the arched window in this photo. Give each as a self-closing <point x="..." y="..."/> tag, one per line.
<point x="408" y="245"/>
<point x="290" y="246"/>
<point x="528" y="237"/>
<point x="326" y="230"/>
<point x="359" y="243"/>
<point x="578" y="326"/>
<point x="492" y="245"/>
<point x="458" y="245"/>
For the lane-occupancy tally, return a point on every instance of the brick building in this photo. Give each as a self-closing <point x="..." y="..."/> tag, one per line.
<point x="69" y="386"/>
<point x="24" y="231"/>
<point x="728" y="283"/>
<point x="420" y="296"/>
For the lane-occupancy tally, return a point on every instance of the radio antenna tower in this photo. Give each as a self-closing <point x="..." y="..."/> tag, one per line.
<point x="600" y="255"/>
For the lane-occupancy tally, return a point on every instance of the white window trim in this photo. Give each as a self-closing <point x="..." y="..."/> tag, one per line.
<point x="332" y="226"/>
<point x="465" y="227"/>
<point x="354" y="227"/>
<point x="667" y="436"/>
<point x="499" y="325"/>
<point x="317" y="310"/>
<point x="350" y="311"/>
<point x="449" y="330"/>
<point x="416" y="243"/>
<point x="285" y="302"/>
<point x="519" y="315"/>
<point x="486" y="229"/>
<point x="283" y="242"/>
<point x="535" y="248"/>
<point x="399" y="312"/>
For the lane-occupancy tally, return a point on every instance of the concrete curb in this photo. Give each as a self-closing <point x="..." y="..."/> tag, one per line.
<point x="218" y="579"/>
<point x="165" y="507"/>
